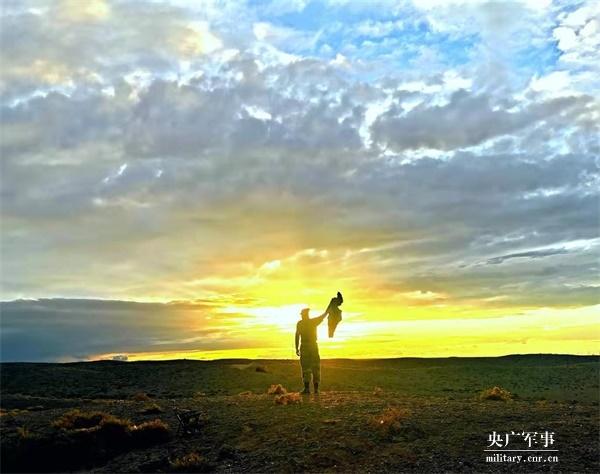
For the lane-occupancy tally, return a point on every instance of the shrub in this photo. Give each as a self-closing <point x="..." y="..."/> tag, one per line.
<point x="276" y="389"/>
<point x="93" y="428"/>
<point x="496" y="393"/>
<point x="114" y="432"/>
<point x="141" y="397"/>
<point x="288" y="398"/>
<point x="391" y="420"/>
<point x="192" y="462"/>
<point x="150" y="433"/>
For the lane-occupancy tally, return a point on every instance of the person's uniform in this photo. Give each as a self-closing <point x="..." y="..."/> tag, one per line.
<point x="310" y="361"/>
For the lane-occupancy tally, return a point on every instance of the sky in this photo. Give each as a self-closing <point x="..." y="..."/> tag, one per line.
<point x="179" y="179"/>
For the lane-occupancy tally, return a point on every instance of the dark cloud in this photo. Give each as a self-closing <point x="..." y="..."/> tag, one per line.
<point x="530" y="254"/>
<point x="468" y="119"/>
<point x="52" y="329"/>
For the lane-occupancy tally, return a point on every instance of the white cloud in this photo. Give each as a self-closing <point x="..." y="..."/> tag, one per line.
<point x="567" y="38"/>
<point x="130" y="144"/>
<point x="377" y="29"/>
<point x="579" y="32"/>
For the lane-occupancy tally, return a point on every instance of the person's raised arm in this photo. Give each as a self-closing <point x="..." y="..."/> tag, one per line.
<point x="319" y="319"/>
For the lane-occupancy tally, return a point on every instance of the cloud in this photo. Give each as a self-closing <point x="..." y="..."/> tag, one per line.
<point x="46" y="330"/>
<point x="530" y="254"/>
<point x="578" y="34"/>
<point x="466" y="120"/>
<point x="89" y="11"/>
<point x="131" y="178"/>
<point x="107" y="42"/>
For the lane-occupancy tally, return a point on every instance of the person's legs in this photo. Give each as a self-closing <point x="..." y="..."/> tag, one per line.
<point x="316" y="376"/>
<point x="306" y="379"/>
<point x="305" y="364"/>
<point x="316" y="371"/>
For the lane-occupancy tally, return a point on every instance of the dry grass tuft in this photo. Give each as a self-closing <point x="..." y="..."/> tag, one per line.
<point x="140" y="397"/>
<point x="378" y="391"/>
<point x="246" y="394"/>
<point x="276" y="389"/>
<point x="496" y="393"/>
<point x="330" y="421"/>
<point x="151" y="409"/>
<point x="150" y="432"/>
<point x="192" y="462"/>
<point x="80" y="440"/>
<point x="112" y="431"/>
<point x="391" y="420"/>
<point x="288" y="398"/>
<point x="76" y="420"/>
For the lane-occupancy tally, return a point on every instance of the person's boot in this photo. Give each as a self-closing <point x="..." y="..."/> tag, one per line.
<point x="316" y="387"/>
<point x="306" y="390"/>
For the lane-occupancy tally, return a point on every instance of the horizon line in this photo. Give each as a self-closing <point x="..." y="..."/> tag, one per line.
<point x="533" y="354"/>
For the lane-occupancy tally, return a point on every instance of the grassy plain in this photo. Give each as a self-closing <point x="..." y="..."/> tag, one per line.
<point x="392" y="415"/>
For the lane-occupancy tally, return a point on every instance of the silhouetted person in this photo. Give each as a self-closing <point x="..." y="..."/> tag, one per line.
<point x="310" y="361"/>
